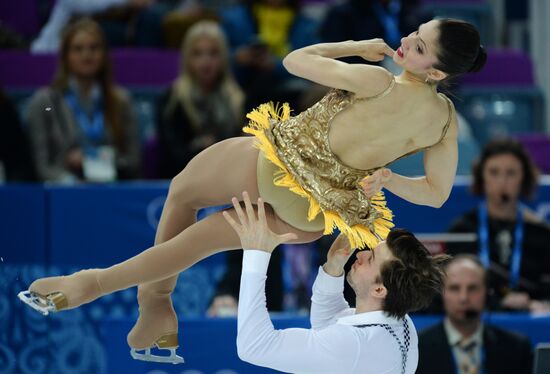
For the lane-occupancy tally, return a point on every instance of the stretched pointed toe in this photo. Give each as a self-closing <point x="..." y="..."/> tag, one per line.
<point x="54" y="294"/>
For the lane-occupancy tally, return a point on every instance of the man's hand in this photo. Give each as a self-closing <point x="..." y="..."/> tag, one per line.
<point x="516" y="300"/>
<point x="254" y="232"/>
<point x="338" y="255"/>
<point x="539" y="307"/>
<point x="376" y="181"/>
<point x="375" y="50"/>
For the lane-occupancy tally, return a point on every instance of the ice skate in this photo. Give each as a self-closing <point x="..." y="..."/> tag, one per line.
<point x="155" y="330"/>
<point x="53" y="294"/>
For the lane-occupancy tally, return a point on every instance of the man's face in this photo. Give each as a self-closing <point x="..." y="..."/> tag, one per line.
<point x="366" y="268"/>
<point x="464" y="290"/>
<point x="502" y="178"/>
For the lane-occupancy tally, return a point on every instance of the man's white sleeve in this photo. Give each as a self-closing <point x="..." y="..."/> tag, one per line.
<point x="331" y="350"/>
<point x="327" y="300"/>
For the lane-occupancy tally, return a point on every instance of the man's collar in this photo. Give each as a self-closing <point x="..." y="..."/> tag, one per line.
<point x="454" y="336"/>
<point x="377" y="316"/>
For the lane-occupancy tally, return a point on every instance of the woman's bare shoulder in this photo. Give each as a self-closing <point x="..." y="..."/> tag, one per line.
<point x="372" y="80"/>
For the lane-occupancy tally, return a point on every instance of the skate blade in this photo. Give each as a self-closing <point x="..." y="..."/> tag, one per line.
<point x="44" y="306"/>
<point x="147" y="356"/>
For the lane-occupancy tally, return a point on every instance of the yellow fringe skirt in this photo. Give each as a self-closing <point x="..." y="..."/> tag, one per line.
<point x="360" y="236"/>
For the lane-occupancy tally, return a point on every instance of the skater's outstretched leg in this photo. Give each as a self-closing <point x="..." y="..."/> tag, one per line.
<point x="212" y="178"/>
<point x="200" y="240"/>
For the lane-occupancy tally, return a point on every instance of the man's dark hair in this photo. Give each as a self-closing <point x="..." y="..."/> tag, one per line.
<point x="506" y="146"/>
<point x="413" y="277"/>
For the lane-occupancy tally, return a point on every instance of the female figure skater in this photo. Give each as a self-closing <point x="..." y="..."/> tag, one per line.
<point x="313" y="163"/>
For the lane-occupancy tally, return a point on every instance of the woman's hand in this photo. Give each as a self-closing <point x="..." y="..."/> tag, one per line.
<point x="374" y="50"/>
<point x="74" y="160"/>
<point x="254" y="232"/>
<point x="376" y="181"/>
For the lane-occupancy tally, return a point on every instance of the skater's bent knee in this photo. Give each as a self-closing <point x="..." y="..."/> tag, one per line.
<point x="181" y="187"/>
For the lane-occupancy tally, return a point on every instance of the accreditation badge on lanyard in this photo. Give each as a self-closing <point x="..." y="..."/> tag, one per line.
<point x="484" y="255"/>
<point x="99" y="163"/>
<point x="92" y="127"/>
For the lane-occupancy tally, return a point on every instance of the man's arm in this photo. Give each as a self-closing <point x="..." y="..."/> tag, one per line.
<point x="334" y="349"/>
<point x="328" y="300"/>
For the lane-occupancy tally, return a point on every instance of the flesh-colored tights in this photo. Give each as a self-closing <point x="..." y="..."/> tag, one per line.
<point x="213" y="177"/>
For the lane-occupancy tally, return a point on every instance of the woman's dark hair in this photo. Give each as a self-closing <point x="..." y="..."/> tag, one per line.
<point x="460" y="50"/>
<point x="506" y="146"/>
<point x="413" y="277"/>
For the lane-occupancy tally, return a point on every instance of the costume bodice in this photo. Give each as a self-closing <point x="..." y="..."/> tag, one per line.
<point x="302" y="143"/>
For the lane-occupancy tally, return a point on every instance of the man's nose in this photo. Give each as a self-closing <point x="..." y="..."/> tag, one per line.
<point x="463" y="295"/>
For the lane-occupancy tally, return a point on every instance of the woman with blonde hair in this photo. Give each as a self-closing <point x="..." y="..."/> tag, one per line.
<point x="83" y="126"/>
<point x="204" y="105"/>
<point x="318" y="170"/>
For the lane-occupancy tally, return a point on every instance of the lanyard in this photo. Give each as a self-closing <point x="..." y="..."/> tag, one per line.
<point x="92" y="128"/>
<point x="518" y="241"/>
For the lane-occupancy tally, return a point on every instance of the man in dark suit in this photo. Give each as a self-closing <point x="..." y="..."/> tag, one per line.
<point x="462" y="343"/>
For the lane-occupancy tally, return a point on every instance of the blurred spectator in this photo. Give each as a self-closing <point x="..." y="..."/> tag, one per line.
<point x="462" y="343"/>
<point x="225" y="300"/>
<point x="290" y="276"/>
<point x="134" y="23"/>
<point x="261" y="33"/>
<point x="82" y="126"/>
<point x="15" y="155"/>
<point x="65" y="10"/>
<point x="512" y="240"/>
<point x="184" y="15"/>
<point x="368" y="19"/>
<point x="204" y="105"/>
<point x="11" y="39"/>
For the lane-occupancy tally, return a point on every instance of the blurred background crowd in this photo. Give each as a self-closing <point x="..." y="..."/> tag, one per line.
<point x="144" y="85"/>
<point x="101" y="91"/>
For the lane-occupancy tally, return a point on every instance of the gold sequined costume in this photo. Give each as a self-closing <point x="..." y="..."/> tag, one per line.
<point x="303" y="163"/>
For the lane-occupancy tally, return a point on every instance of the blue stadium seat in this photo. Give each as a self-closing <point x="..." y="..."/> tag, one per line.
<point x="477" y="12"/>
<point x="468" y="151"/>
<point x="501" y="110"/>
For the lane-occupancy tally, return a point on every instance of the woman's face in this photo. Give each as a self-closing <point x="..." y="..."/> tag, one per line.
<point x="86" y="54"/>
<point x="417" y="53"/>
<point x="205" y="62"/>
